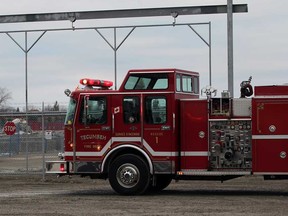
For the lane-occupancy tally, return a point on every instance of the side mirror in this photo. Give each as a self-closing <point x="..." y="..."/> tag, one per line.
<point x="67" y="92"/>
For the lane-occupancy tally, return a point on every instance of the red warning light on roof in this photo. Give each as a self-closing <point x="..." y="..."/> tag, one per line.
<point x="96" y="82"/>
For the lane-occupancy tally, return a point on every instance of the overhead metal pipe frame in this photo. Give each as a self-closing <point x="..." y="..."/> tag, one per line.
<point x="105" y="14"/>
<point x="114" y="46"/>
<point x="122" y="13"/>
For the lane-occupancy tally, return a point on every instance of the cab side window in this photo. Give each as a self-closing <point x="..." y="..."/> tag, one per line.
<point x="187" y="83"/>
<point x="196" y="85"/>
<point x="131" y="110"/>
<point x="178" y="83"/>
<point x="95" y="111"/>
<point x="155" y="110"/>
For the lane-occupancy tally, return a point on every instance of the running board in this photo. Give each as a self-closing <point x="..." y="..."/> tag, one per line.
<point x="212" y="173"/>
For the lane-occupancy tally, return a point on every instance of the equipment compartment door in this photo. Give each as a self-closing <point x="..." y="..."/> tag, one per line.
<point x="194" y="134"/>
<point x="270" y="156"/>
<point x="270" y="135"/>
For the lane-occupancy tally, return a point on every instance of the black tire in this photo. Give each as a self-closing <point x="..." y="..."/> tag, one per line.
<point x="129" y="175"/>
<point x="162" y="181"/>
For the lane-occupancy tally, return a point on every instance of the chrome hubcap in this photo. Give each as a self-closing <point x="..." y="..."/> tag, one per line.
<point x="128" y="175"/>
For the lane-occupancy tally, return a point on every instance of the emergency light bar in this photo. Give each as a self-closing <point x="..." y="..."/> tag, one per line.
<point x="96" y="82"/>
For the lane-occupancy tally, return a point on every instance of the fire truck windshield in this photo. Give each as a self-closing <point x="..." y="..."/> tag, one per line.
<point x="147" y="81"/>
<point x="70" y="112"/>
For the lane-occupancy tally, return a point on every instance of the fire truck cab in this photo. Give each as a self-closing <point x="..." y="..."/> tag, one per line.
<point x="156" y="128"/>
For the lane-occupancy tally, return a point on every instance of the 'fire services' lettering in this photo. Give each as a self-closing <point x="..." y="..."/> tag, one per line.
<point x="93" y="136"/>
<point x="127" y="134"/>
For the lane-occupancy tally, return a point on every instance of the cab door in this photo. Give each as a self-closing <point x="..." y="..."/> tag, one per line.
<point x="93" y="131"/>
<point x="126" y="119"/>
<point x="159" y="130"/>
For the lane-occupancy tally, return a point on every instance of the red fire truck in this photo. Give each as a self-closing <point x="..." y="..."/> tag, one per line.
<point x="156" y="128"/>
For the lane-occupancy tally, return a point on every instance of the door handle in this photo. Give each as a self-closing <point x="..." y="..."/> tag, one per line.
<point x="174" y="122"/>
<point x="165" y="127"/>
<point x="113" y="126"/>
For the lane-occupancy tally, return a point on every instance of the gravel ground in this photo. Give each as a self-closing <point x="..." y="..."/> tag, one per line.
<point x="31" y="195"/>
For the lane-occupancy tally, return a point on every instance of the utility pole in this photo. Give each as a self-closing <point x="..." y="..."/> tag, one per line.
<point x="230" y="46"/>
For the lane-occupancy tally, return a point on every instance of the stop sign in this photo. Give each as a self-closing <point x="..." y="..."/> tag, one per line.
<point x="9" y="128"/>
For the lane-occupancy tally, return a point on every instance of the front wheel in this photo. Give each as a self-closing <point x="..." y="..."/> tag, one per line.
<point x="129" y="175"/>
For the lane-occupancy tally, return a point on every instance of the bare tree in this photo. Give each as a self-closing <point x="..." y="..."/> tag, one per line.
<point x="56" y="106"/>
<point x="5" y="95"/>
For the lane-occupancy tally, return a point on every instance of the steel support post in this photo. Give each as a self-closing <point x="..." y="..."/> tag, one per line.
<point x="210" y="56"/>
<point x="43" y="142"/>
<point x="26" y="94"/>
<point x="230" y="46"/>
<point x="115" y="58"/>
<point x="26" y="51"/>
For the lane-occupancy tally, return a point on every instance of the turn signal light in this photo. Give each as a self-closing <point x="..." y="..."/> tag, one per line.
<point x="62" y="167"/>
<point x="98" y="147"/>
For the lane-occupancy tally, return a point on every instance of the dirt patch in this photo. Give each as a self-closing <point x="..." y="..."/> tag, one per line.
<point x="31" y="195"/>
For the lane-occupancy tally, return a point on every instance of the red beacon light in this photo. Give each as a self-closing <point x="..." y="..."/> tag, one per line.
<point x="104" y="84"/>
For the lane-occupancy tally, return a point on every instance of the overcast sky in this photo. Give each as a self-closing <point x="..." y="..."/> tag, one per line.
<point x="60" y="59"/>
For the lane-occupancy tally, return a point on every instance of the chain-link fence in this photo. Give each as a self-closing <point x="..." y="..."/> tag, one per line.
<point x="39" y="136"/>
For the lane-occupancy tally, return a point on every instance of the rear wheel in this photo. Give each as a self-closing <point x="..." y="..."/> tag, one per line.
<point x="129" y="175"/>
<point x="162" y="181"/>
